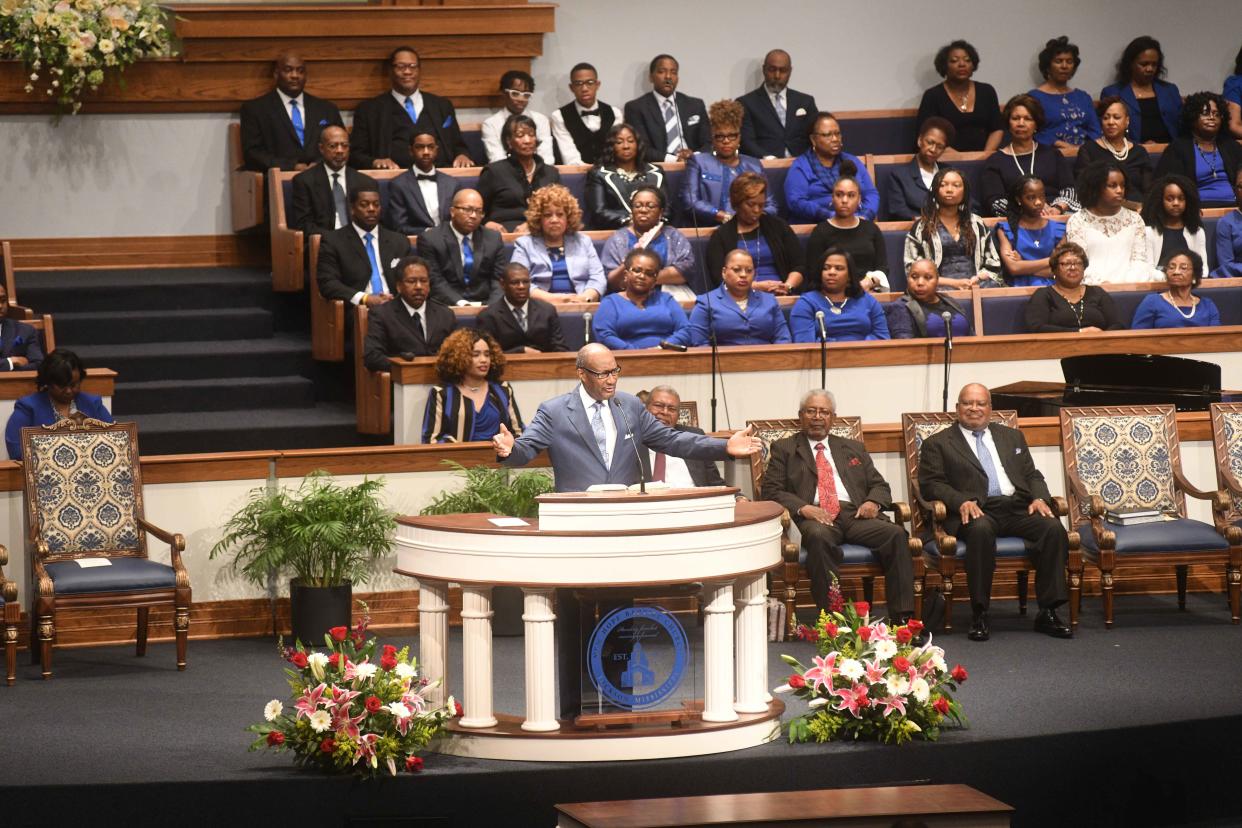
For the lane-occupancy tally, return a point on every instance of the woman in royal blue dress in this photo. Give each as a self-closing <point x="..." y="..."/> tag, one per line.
<point x="60" y="396"/>
<point x="850" y="313"/>
<point x="737" y="314"/>
<point x="1204" y="152"/>
<point x="471" y="401"/>
<point x="1178" y="307"/>
<point x="1027" y="238"/>
<point x="1154" y="104"/>
<point x="641" y="316"/>
<point x="1070" y="113"/>
<point x="709" y="175"/>
<point x="808" y="185"/>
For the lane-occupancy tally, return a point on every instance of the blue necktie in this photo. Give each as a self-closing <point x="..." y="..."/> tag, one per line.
<point x="377" y="281"/>
<point x="409" y="110"/>
<point x="295" y="115"/>
<point x="597" y="425"/>
<point x="467" y="256"/>
<point x="989" y="468"/>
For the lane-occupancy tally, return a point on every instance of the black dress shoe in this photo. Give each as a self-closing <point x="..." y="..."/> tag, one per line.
<point x="979" y="627"/>
<point x="1049" y="623"/>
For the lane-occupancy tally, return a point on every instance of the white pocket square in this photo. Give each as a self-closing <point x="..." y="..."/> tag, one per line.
<point x="1017" y="451"/>
<point x="801" y="111"/>
<point x="393" y="263"/>
<point x="629" y="436"/>
<point x="692" y="120"/>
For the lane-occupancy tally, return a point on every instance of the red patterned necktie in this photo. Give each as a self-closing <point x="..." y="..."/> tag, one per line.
<point x="827" y="485"/>
<point x="658" y="474"/>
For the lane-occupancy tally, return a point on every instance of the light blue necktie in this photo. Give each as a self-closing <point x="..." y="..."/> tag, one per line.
<point x="409" y="110"/>
<point x="467" y="255"/>
<point x="989" y="468"/>
<point x="377" y="281"/>
<point x="295" y="115"/>
<point x="779" y="105"/>
<point x="597" y="425"/>
<point x="672" y="129"/>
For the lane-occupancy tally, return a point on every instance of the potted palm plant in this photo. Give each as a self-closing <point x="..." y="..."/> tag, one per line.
<point x="325" y="536"/>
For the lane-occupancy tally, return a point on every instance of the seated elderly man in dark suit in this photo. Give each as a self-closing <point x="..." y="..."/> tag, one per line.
<point x="834" y="494"/>
<point x="358" y="262"/>
<point x="411" y="326"/>
<point x="984" y="473"/>
<point x="383" y="125"/>
<point x="419" y="198"/>
<point x="664" y="403"/>
<point x="320" y="202"/>
<point x="672" y="125"/>
<point x="20" y="349"/>
<point x="520" y="324"/>
<point x="466" y="260"/>
<point x="778" y="119"/>
<point x="281" y="129"/>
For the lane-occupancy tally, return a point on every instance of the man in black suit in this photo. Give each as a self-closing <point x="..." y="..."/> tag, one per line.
<point x="664" y="403"/>
<point x="466" y="260"/>
<point x="419" y="198"/>
<point x="835" y="495"/>
<point x="19" y="343"/>
<point x="520" y="324"/>
<point x="673" y="125"/>
<point x="383" y="125"/>
<point x="984" y="474"/>
<point x="778" y="119"/>
<point x="281" y="129"/>
<point x="320" y="202"/>
<point x="358" y="263"/>
<point x="410" y="326"/>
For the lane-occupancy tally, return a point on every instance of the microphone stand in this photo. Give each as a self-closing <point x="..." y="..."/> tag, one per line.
<point x="642" y="476"/>
<point x="711" y="317"/>
<point x="948" y="356"/>
<point x="823" y="350"/>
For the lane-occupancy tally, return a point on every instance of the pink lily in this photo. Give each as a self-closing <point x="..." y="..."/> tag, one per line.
<point x="875" y="672"/>
<point x="415" y="702"/>
<point x="342" y="722"/>
<point x="853" y="699"/>
<point x="892" y="703"/>
<point x="366" y="747"/>
<point x="309" y="702"/>
<point x="821" y="674"/>
<point x="342" y="696"/>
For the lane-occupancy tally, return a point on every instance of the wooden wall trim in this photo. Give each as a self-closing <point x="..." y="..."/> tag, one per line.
<point x="16" y="384"/>
<point x="141" y="252"/>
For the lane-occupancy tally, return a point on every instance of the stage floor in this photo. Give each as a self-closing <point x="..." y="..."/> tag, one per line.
<point x="1137" y="726"/>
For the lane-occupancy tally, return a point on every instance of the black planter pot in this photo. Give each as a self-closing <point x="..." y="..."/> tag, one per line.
<point x="315" y="610"/>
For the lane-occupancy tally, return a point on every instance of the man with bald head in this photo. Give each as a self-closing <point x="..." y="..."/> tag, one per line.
<point x="984" y="474"/>
<point x="778" y="119"/>
<point x="467" y="260"/>
<point x="282" y="128"/>
<point x="320" y="202"/>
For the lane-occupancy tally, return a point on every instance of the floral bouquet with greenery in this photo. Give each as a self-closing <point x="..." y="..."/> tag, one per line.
<point x="352" y="712"/>
<point x="69" y="46"/>
<point x="870" y="680"/>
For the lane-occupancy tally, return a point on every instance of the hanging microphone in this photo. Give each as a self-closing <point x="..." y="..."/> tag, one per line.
<point x="586" y="326"/>
<point x="823" y="332"/>
<point x="642" y="478"/>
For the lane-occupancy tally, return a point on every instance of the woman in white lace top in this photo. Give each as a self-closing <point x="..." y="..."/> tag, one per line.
<point x="1111" y="233"/>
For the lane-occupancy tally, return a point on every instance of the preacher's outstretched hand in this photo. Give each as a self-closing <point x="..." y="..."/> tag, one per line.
<point x="503" y="442"/>
<point x="743" y="444"/>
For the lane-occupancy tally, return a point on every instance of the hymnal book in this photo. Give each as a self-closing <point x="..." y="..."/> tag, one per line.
<point x="1135" y="518"/>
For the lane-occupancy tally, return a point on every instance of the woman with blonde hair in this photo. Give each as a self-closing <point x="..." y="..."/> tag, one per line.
<point x="709" y="175"/>
<point x="561" y="259"/>
<point x="471" y="401"/>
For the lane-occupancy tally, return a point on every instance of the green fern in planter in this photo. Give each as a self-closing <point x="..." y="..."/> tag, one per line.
<point x="498" y="491"/>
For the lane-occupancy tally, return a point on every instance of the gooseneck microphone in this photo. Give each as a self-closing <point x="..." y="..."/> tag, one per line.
<point x="586" y="326"/>
<point x="947" y="316"/>
<point x="642" y="477"/>
<point x="823" y="349"/>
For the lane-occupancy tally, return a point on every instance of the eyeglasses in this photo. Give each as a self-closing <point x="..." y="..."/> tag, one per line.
<point x="1070" y="264"/>
<point x="583" y="84"/>
<point x="818" y="412"/>
<point x="470" y="211"/>
<point x="726" y="136"/>
<point x="518" y="95"/>
<point x="663" y="406"/>
<point x="834" y="134"/>
<point x="600" y="375"/>
<point x="642" y="271"/>
<point x="404" y="67"/>
<point x="654" y="205"/>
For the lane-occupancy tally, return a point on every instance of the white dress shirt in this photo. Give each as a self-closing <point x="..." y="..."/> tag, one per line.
<point x="1006" y="485"/>
<point x="610" y="427"/>
<point x="565" y="141"/>
<point x="358" y="297"/>
<point x="842" y="494"/>
<point x="431" y="194"/>
<point x="495" y="146"/>
<point x="286" y="100"/>
<point x="419" y="312"/>
<point x="342" y="177"/>
<point x="416" y="98"/>
<point x="676" y="472"/>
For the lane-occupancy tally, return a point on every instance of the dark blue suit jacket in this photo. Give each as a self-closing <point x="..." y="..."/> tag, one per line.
<point x="407" y="210"/>
<point x="19" y="339"/>
<point x="701" y="186"/>
<point x="762" y="324"/>
<point x="644" y="115"/>
<point x="905" y="193"/>
<point x="1167" y="96"/>
<point x="762" y="133"/>
<point x="36" y="410"/>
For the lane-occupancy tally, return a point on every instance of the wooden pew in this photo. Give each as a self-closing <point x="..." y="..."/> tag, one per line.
<point x="372" y="389"/>
<point x="245" y="186"/>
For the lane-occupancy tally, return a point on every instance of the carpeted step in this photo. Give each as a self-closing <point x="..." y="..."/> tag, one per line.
<point x="132" y="290"/>
<point x="214" y="324"/>
<point x="281" y="355"/>
<point x="227" y="394"/>
<point x="323" y="425"/>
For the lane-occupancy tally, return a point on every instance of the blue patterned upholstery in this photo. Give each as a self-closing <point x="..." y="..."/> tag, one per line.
<point x="86" y="500"/>
<point x="1165" y="536"/>
<point x="1232" y="435"/>
<point x="1125" y="460"/>
<point x="124" y="575"/>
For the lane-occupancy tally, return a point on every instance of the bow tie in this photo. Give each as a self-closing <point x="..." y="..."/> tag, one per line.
<point x="422" y="177"/>
<point x="586" y="112"/>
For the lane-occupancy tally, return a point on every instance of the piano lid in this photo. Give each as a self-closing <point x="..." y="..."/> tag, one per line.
<point x="1133" y="372"/>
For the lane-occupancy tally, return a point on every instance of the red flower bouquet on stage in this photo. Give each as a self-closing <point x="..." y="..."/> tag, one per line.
<point x="353" y="711"/>
<point x="869" y="681"/>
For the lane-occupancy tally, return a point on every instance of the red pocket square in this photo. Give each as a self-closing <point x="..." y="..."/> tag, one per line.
<point x="854" y="461"/>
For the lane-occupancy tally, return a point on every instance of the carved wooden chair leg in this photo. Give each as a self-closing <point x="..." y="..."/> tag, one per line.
<point x="1024" y="590"/>
<point x="1234" y="576"/>
<point x="918" y="595"/>
<point x="946" y="578"/>
<point x="1106" y="589"/>
<point x="1075" y="593"/>
<point x="181" y="626"/>
<point x="144" y="614"/>
<point x="47" y="633"/>
<point x="1181" y="586"/>
<point x="10" y="654"/>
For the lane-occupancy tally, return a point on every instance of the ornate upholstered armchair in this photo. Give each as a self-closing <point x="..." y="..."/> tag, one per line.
<point x="859" y="562"/>
<point x="1128" y="459"/>
<point x="10" y="612"/>
<point x="87" y="532"/>
<point x="942" y="550"/>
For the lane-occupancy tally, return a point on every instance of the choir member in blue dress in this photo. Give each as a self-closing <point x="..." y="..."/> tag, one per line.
<point x="561" y="259"/>
<point x="1174" y="218"/>
<point x="907" y="186"/>
<point x="857" y="236"/>
<point x="1155" y="105"/>
<point x="1068" y="305"/>
<point x="768" y="239"/>
<point x="621" y="170"/>
<point x="808" y="186"/>
<point x="850" y="313"/>
<point x="970" y="106"/>
<point x="60" y="396"/>
<point x="736" y="314"/>
<point x="1070" y="112"/>
<point x="1027" y="238"/>
<point x="1233" y="97"/>
<point x="1113" y="145"/>
<point x="1178" y="307"/>
<point x="1229" y="237"/>
<point x="472" y="400"/>
<point x="649" y="230"/>
<point x="1204" y="152"/>
<point x="1025" y="156"/>
<point x="953" y="237"/>
<point x="709" y="175"/>
<point x="641" y="316"/>
<point x="919" y="313"/>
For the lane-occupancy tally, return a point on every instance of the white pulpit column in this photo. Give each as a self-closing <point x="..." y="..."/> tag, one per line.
<point x="433" y="609"/>
<point x="751" y="635"/>
<point x="476" y="637"/>
<point x="718" y="652"/>
<point x="540" y="660"/>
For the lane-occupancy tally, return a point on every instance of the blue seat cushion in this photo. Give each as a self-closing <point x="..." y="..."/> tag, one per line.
<point x="1181" y="535"/>
<point x="1007" y="547"/>
<point x="124" y="575"/>
<point x="853" y="553"/>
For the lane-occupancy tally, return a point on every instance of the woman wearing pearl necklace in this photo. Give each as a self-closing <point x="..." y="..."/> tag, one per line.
<point x="1024" y="156"/>
<point x="1178" y="307"/>
<point x="1200" y="154"/>
<point x="1113" y="145"/>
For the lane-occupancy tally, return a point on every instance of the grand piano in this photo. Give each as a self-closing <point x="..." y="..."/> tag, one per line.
<point x="1119" y="379"/>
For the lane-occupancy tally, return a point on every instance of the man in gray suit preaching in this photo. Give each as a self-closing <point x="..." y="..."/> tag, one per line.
<point x="590" y="432"/>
